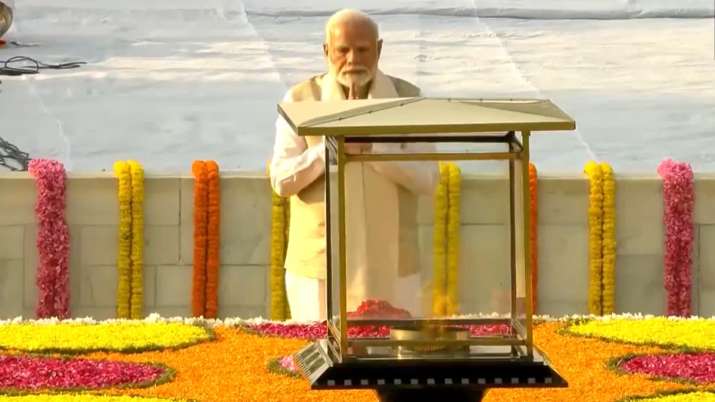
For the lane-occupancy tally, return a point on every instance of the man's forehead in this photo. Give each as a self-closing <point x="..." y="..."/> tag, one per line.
<point x="353" y="31"/>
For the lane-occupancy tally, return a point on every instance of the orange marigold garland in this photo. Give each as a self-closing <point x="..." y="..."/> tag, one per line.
<point x="213" y="232"/>
<point x="198" y="290"/>
<point x="533" y="234"/>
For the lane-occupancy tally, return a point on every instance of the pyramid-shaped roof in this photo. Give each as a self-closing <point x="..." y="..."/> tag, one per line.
<point x="423" y="116"/>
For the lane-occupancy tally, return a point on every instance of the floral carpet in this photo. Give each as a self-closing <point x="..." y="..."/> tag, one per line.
<point x="619" y="358"/>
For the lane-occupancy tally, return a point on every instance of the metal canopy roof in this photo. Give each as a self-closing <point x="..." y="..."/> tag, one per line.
<point x="423" y="116"/>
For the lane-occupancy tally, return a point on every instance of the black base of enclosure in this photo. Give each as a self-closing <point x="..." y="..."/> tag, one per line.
<point x="423" y="394"/>
<point x="444" y="379"/>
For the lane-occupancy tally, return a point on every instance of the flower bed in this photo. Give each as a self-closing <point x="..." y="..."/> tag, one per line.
<point x="234" y="364"/>
<point x="695" y="333"/>
<point x="694" y="367"/>
<point x="22" y="372"/>
<point x="122" y="336"/>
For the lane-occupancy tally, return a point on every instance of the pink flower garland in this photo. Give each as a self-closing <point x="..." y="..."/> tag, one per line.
<point x="53" y="239"/>
<point x="678" y="203"/>
<point x="19" y="372"/>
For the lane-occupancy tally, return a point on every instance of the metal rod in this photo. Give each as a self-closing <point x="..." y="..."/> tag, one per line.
<point x="512" y="235"/>
<point x="427" y="321"/>
<point x="456" y="156"/>
<point x="328" y="236"/>
<point x="426" y="138"/>
<point x="524" y="155"/>
<point x="477" y="341"/>
<point x="342" y="250"/>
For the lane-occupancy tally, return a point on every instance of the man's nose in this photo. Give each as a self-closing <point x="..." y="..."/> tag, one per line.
<point x="353" y="57"/>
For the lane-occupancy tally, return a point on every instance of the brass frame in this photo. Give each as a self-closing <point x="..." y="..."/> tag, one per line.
<point x="517" y="151"/>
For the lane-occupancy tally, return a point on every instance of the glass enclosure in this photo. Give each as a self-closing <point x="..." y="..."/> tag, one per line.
<point x="418" y="266"/>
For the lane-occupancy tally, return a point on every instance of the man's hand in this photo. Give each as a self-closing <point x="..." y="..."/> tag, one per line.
<point x="356" y="147"/>
<point x="354" y="91"/>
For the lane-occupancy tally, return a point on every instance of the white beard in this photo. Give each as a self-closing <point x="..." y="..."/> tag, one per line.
<point x="359" y="79"/>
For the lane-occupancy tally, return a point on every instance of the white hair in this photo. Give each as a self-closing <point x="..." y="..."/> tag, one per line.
<point x="348" y="14"/>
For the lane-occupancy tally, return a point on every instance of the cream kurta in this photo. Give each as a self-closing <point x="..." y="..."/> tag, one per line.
<point x="380" y="203"/>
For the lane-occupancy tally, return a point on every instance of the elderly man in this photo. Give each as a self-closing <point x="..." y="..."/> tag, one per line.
<point x="6" y="7"/>
<point x="380" y="262"/>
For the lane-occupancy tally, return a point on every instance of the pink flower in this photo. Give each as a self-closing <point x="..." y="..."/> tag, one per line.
<point x="33" y="373"/>
<point x="678" y="205"/>
<point x="288" y="363"/>
<point x="698" y="368"/>
<point x="319" y="330"/>
<point x="53" y="239"/>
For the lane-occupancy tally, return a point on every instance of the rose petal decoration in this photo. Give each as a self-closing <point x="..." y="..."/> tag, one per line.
<point x="21" y="372"/>
<point x="695" y="367"/>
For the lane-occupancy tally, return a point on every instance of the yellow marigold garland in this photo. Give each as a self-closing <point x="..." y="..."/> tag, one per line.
<point x="439" y="242"/>
<point x="280" y="216"/>
<point x="122" y="172"/>
<point x="137" y="252"/>
<point x="609" y="239"/>
<point x="595" y="238"/>
<point x="130" y="260"/>
<point x="602" y="238"/>
<point x="453" y="225"/>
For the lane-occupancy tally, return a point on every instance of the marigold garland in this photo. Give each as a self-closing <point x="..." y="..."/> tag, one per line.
<point x="207" y="202"/>
<point x="137" y="253"/>
<point x="439" y="242"/>
<point x="453" y="226"/>
<point x="595" y="237"/>
<point x="280" y="210"/>
<point x="121" y="171"/>
<point x="198" y="288"/>
<point x="602" y="238"/>
<point x="533" y="235"/>
<point x="53" y="239"/>
<point x="678" y="206"/>
<point x="213" y="231"/>
<point x="608" y="253"/>
<point x="445" y="241"/>
<point x="130" y="253"/>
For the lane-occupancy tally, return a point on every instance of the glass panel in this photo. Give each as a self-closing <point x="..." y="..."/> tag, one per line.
<point x="428" y="254"/>
<point x="333" y="238"/>
<point x="520" y="263"/>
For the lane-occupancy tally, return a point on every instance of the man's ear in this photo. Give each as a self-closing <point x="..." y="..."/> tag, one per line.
<point x="325" y="49"/>
<point x="379" y="48"/>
